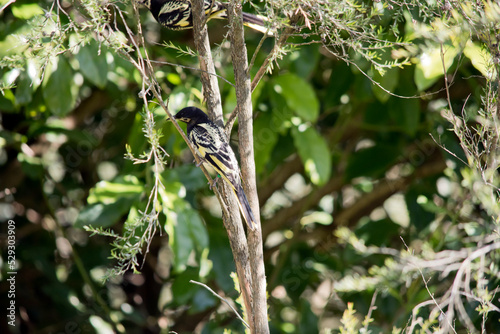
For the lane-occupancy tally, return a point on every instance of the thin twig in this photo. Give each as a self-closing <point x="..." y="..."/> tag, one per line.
<point x="370" y="310"/>
<point x="265" y="65"/>
<point x="455" y="290"/>
<point x="150" y="81"/>
<point x="223" y="299"/>
<point x="10" y="2"/>
<point x="450" y="115"/>
<point x="429" y="291"/>
<point x="192" y="68"/>
<point x="448" y="151"/>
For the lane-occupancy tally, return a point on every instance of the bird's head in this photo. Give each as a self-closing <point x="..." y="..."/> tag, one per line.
<point x="191" y="115"/>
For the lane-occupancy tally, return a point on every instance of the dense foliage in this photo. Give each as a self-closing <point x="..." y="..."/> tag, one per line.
<point x="376" y="133"/>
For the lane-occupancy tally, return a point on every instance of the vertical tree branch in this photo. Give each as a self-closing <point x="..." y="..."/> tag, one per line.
<point x="231" y="218"/>
<point x="245" y="134"/>
<point x="209" y="82"/>
<point x="277" y="46"/>
<point x="267" y="62"/>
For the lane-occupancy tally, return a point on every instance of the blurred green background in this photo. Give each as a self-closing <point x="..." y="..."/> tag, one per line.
<point x="377" y="202"/>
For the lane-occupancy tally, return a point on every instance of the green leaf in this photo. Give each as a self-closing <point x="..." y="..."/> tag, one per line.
<point x="222" y="259"/>
<point x="429" y="205"/>
<point x="26" y="11"/>
<point x="420" y="218"/>
<point x="186" y="231"/>
<point x="230" y="102"/>
<point x="57" y="92"/>
<point x="179" y="238"/>
<point x="265" y="138"/>
<point x="474" y="229"/>
<point x="182" y="288"/>
<point x="93" y="64"/>
<point x="406" y="114"/>
<point x="378" y="232"/>
<point x="371" y="161"/>
<point x="197" y="230"/>
<point x="12" y="43"/>
<point x="32" y="166"/>
<point x="430" y="65"/>
<point x="314" y="153"/>
<point x="103" y="215"/>
<point x="203" y="300"/>
<point x="299" y="96"/>
<point x="7" y="101"/>
<point x="24" y="90"/>
<point x="339" y="83"/>
<point x="281" y="113"/>
<point x="298" y="270"/>
<point x="388" y="81"/>
<point x="377" y="116"/>
<point x="190" y="176"/>
<point x="182" y="96"/>
<point x="305" y="60"/>
<point x="107" y="192"/>
<point x="284" y="147"/>
<point x="395" y="115"/>
<point x="308" y="320"/>
<point x="174" y="79"/>
<point x="480" y="59"/>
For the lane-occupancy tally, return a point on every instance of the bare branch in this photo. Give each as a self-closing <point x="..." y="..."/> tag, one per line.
<point x="210" y="85"/>
<point x="247" y="163"/>
<point x="231" y="217"/>
<point x="265" y="65"/>
<point x="223" y="299"/>
<point x="455" y="294"/>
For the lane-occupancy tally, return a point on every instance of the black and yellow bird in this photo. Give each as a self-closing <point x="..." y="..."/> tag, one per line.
<point x="211" y="145"/>
<point x="177" y="14"/>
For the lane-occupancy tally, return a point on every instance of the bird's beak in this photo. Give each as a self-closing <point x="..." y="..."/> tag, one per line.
<point x="174" y="117"/>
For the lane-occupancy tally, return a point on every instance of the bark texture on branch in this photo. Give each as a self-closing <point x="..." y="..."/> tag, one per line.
<point x="267" y="62"/>
<point x="211" y="91"/>
<point x="231" y="215"/>
<point x="245" y="134"/>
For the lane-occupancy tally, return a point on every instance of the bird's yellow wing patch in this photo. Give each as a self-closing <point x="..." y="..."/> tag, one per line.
<point x="223" y="170"/>
<point x="202" y="150"/>
<point x="219" y="165"/>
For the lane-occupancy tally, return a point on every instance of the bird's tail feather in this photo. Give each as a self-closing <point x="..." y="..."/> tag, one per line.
<point x="245" y="207"/>
<point x="255" y="19"/>
<point x="257" y="22"/>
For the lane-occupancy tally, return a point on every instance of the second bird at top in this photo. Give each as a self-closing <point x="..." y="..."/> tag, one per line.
<point x="177" y="14"/>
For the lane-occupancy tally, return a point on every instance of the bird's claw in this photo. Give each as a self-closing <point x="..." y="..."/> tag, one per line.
<point x="213" y="183"/>
<point x="202" y="160"/>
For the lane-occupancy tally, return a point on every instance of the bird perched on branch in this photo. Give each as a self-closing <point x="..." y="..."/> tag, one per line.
<point x="177" y="14"/>
<point x="211" y="145"/>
